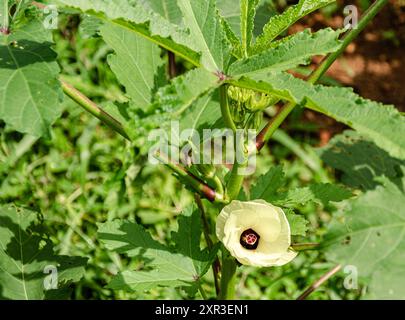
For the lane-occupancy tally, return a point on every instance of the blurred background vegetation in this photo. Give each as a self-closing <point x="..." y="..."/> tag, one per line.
<point x="84" y="174"/>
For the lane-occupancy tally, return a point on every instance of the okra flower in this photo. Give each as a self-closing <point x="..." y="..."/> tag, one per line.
<point x="256" y="233"/>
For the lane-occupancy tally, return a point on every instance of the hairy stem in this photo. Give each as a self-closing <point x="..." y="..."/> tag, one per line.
<point x="202" y="291"/>
<point x="172" y="65"/>
<point x="274" y="123"/>
<point x="206" y="230"/>
<point x="233" y="187"/>
<point x="319" y="282"/>
<point x="93" y="108"/>
<point x="196" y="184"/>
<point x="304" y="246"/>
<point x="228" y="277"/>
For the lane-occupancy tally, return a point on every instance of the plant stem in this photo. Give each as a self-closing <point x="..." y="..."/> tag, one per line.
<point x="226" y="113"/>
<point x="202" y="291"/>
<point x="206" y="230"/>
<point x="196" y="184"/>
<point x="304" y="246"/>
<point x="93" y="109"/>
<point x="319" y="282"/>
<point x="274" y="123"/>
<point x="233" y="187"/>
<point x="172" y="64"/>
<point x="228" y="277"/>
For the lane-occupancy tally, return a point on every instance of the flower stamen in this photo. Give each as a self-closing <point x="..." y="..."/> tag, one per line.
<point x="249" y="239"/>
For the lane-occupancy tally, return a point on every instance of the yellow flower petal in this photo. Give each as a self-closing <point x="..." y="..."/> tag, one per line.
<point x="268" y="221"/>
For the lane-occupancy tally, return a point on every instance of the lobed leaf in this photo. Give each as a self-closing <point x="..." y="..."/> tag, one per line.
<point x="209" y="38"/>
<point x="268" y="183"/>
<point x="183" y="91"/>
<point x="321" y="193"/>
<point x="360" y="161"/>
<point x="247" y="18"/>
<point x="370" y="237"/>
<point x="180" y="266"/>
<point x="297" y="50"/>
<point x="280" y="23"/>
<point x="166" y="8"/>
<point x="269" y="188"/>
<point x="136" y="62"/>
<point x="298" y="223"/>
<point x="381" y="123"/>
<point x="143" y="20"/>
<point x="27" y="257"/>
<point x="30" y="93"/>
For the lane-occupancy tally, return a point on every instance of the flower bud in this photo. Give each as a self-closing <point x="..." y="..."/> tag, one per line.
<point x="254" y="121"/>
<point x="206" y="170"/>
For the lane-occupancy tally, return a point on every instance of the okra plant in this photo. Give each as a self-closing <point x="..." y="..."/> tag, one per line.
<point x="206" y="122"/>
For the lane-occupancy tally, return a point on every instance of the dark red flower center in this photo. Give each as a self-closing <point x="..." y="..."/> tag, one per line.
<point x="249" y="239"/>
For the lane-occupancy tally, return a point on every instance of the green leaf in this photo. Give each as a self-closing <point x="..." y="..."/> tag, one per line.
<point x="264" y="11"/>
<point x="183" y="91"/>
<point x="209" y="38"/>
<point x="173" y="102"/>
<point x="89" y="26"/>
<point x="204" y="114"/>
<point x="381" y="123"/>
<point x="30" y="93"/>
<point x="136" y="62"/>
<point x="321" y="193"/>
<point x="295" y="51"/>
<point x="143" y="20"/>
<point x="233" y="39"/>
<point x="298" y="224"/>
<point x="370" y="236"/>
<point x="187" y="241"/>
<point x="247" y="18"/>
<point x="268" y="187"/>
<point x="26" y="256"/>
<point x="360" y="160"/>
<point x="268" y="183"/>
<point x="230" y="12"/>
<point x="180" y="266"/>
<point x="280" y="23"/>
<point x="166" y="8"/>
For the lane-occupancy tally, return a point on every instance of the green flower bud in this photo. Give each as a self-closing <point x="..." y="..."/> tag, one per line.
<point x="260" y="101"/>
<point x="206" y="170"/>
<point x="254" y="121"/>
<point x="237" y="112"/>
